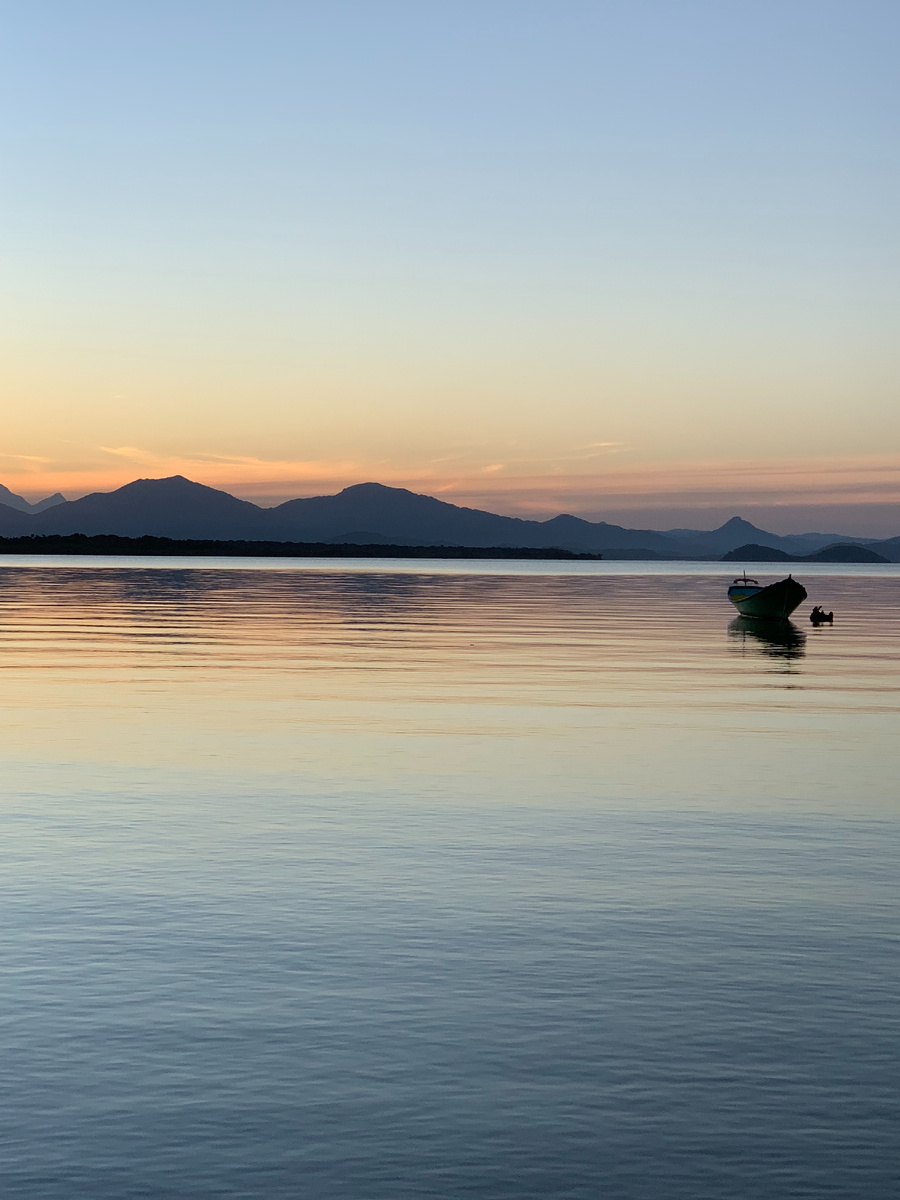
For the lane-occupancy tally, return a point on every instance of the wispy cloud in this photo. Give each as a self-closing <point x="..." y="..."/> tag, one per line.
<point x="133" y="453"/>
<point x="37" y="459"/>
<point x="573" y="480"/>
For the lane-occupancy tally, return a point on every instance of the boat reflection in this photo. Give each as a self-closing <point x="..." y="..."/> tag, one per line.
<point x="776" y="638"/>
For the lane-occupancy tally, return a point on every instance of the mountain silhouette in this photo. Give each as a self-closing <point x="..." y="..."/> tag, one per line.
<point x="14" y="522"/>
<point x="846" y="552"/>
<point x="734" y="533"/>
<point x="889" y="547"/>
<point x="11" y="500"/>
<point x="174" y="507"/>
<point x="755" y="553"/>
<point x="842" y="552"/>
<point x="399" y="514"/>
<point x="372" y="512"/>
<point x="48" y="502"/>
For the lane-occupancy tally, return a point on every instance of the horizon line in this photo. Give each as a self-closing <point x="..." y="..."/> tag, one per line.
<point x="699" y="508"/>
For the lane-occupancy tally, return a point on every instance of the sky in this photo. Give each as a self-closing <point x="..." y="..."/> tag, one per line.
<point x="633" y="260"/>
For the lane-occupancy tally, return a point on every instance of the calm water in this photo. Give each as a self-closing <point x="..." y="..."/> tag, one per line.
<point x="503" y="881"/>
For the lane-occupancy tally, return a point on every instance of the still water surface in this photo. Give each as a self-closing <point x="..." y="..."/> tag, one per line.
<point x="363" y="881"/>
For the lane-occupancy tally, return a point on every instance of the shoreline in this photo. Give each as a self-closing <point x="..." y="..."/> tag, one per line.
<point x="115" y="545"/>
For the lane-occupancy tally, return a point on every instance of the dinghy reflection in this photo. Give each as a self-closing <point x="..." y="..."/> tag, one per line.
<point x="776" y="638"/>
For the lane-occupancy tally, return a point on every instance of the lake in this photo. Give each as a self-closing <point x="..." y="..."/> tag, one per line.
<point x="362" y="880"/>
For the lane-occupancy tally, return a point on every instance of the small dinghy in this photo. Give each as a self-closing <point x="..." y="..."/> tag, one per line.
<point x="818" y="617"/>
<point x="777" y="600"/>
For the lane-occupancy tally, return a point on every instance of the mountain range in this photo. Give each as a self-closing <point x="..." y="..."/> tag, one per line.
<point x="373" y="513"/>
<point x="11" y="500"/>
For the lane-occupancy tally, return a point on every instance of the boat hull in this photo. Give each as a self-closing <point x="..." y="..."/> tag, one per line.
<point x="777" y="600"/>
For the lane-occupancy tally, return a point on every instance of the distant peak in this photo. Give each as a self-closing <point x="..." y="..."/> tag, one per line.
<point x="22" y="505"/>
<point x="169" y="481"/>
<point x="48" y="502"/>
<point x="375" y="489"/>
<point x="370" y="487"/>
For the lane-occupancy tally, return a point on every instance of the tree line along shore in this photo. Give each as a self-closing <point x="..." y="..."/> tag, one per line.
<point x="114" y="544"/>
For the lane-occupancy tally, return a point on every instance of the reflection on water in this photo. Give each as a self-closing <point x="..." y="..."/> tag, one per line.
<point x="366" y="885"/>
<point x="777" y="638"/>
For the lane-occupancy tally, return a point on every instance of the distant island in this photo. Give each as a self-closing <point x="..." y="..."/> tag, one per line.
<point x="80" y="543"/>
<point x="841" y="552"/>
<point x="372" y="515"/>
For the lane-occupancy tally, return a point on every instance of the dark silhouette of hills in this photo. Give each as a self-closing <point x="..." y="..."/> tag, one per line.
<point x="717" y="541"/>
<point x="843" y="552"/>
<point x="846" y="553"/>
<point x="48" y="502"/>
<point x="402" y="515"/>
<point x="753" y="552"/>
<point x="179" y="508"/>
<point x="373" y="514"/>
<point x="737" y="532"/>
<point x="173" y="507"/>
<point x="11" y="500"/>
<point x="890" y="547"/>
<point x="14" y="522"/>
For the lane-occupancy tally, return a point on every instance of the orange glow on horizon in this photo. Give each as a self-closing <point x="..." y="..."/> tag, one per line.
<point x="497" y="486"/>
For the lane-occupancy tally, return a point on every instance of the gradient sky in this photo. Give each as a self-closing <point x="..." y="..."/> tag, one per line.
<point x="632" y="260"/>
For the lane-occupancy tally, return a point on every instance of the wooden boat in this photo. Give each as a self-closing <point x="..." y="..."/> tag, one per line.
<point x="777" y="600"/>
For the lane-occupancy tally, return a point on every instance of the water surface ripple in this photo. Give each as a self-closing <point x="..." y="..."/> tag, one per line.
<point x="358" y="883"/>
